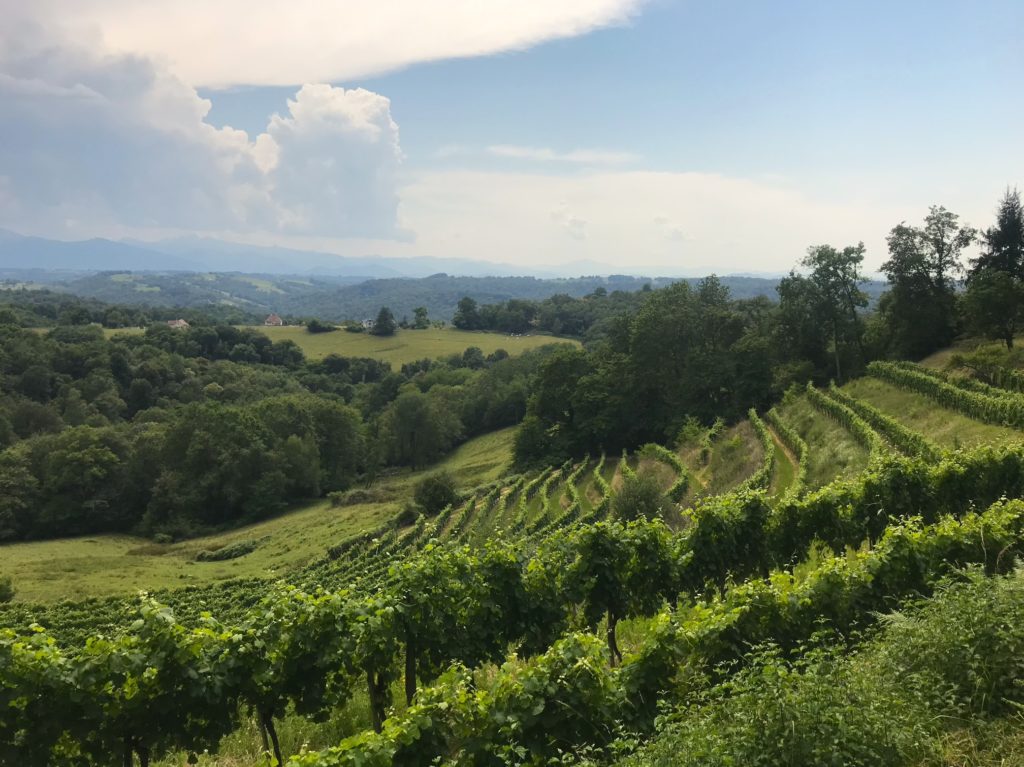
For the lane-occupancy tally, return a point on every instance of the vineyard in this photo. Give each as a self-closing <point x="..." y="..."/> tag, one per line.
<point x="536" y="619"/>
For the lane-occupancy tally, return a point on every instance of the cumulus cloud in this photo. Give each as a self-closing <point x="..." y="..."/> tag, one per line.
<point x="335" y="159"/>
<point x="288" y="42"/>
<point x="119" y="140"/>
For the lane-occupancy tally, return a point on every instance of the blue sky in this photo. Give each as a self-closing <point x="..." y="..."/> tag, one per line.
<point x="675" y="137"/>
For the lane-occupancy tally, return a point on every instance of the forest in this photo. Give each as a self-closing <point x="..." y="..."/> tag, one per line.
<point x="175" y="431"/>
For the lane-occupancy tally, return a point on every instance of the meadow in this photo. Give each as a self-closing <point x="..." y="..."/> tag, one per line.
<point x="403" y="347"/>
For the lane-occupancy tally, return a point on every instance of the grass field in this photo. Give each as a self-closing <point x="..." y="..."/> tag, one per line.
<point x="834" y="452"/>
<point x="785" y="469"/>
<point x="45" y="571"/>
<point x="405" y="346"/>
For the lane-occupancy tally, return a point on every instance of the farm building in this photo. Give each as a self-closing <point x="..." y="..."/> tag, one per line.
<point x="178" y="324"/>
<point x="273" y="321"/>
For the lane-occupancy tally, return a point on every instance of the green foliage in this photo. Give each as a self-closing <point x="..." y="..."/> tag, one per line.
<point x="995" y="284"/>
<point x="910" y="442"/>
<point x="798" y="447"/>
<point x="821" y="309"/>
<point x="385" y="324"/>
<point x="761" y="478"/>
<point x="232" y="551"/>
<point x="993" y="303"/>
<point x="449" y="604"/>
<point x="603" y="506"/>
<point x="686" y="352"/>
<point x="317" y="326"/>
<point x="7" y="590"/>
<point x="850" y="420"/>
<point x="640" y="497"/>
<point x="708" y="440"/>
<point x="952" y="660"/>
<point x="992" y="365"/>
<point x="918" y="314"/>
<point x="666" y="456"/>
<point x="435" y="492"/>
<point x="989" y="409"/>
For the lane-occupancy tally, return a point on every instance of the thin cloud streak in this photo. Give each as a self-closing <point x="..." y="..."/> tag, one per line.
<point x="576" y="156"/>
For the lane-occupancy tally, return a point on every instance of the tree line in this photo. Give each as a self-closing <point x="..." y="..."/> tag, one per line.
<point x="694" y="351"/>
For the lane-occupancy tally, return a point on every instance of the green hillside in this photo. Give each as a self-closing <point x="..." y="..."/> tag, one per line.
<point x="860" y="444"/>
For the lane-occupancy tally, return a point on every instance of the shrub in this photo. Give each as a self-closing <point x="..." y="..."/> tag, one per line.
<point x="340" y="498"/>
<point x="6" y="589"/>
<point x="435" y="491"/>
<point x="316" y="326"/>
<point x="407" y="516"/>
<point x="234" y="551"/>
<point x="639" y="497"/>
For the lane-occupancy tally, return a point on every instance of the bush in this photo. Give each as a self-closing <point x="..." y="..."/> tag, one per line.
<point x="436" y="491"/>
<point x="639" y="497"/>
<point x="234" y="551"/>
<point x="339" y="498"/>
<point x="407" y="516"/>
<point x="6" y="589"/>
<point x="316" y="326"/>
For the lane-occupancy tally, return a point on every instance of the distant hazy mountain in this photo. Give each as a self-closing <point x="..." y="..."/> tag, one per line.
<point x="338" y="297"/>
<point x="206" y="254"/>
<point x="222" y="256"/>
<point x="18" y="252"/>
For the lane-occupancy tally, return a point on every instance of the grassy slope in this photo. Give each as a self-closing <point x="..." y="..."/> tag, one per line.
<point x="736" y="454"/>
<point x="832" y="451"/>
<point x="946" y="428"/>
<point x="110" y="564"/>
<point x="785" y="467"/>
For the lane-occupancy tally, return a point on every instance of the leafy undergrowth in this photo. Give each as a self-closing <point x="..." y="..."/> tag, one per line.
<point x="938" y="684"/>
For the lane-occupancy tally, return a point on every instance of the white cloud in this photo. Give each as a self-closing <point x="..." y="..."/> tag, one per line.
<point x="636" y="221"/>
<point x="573" y="225"/>
<point x="288" y="42"/>
<point x="336" y="157"/>
<point x="119" y="141"/>
<point x="576" y="156"/>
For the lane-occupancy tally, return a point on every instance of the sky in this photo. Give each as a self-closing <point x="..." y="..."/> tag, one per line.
<point x="660" y="136"/>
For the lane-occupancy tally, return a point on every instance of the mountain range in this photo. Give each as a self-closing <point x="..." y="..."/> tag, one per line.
<point x="206" y="254"/>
